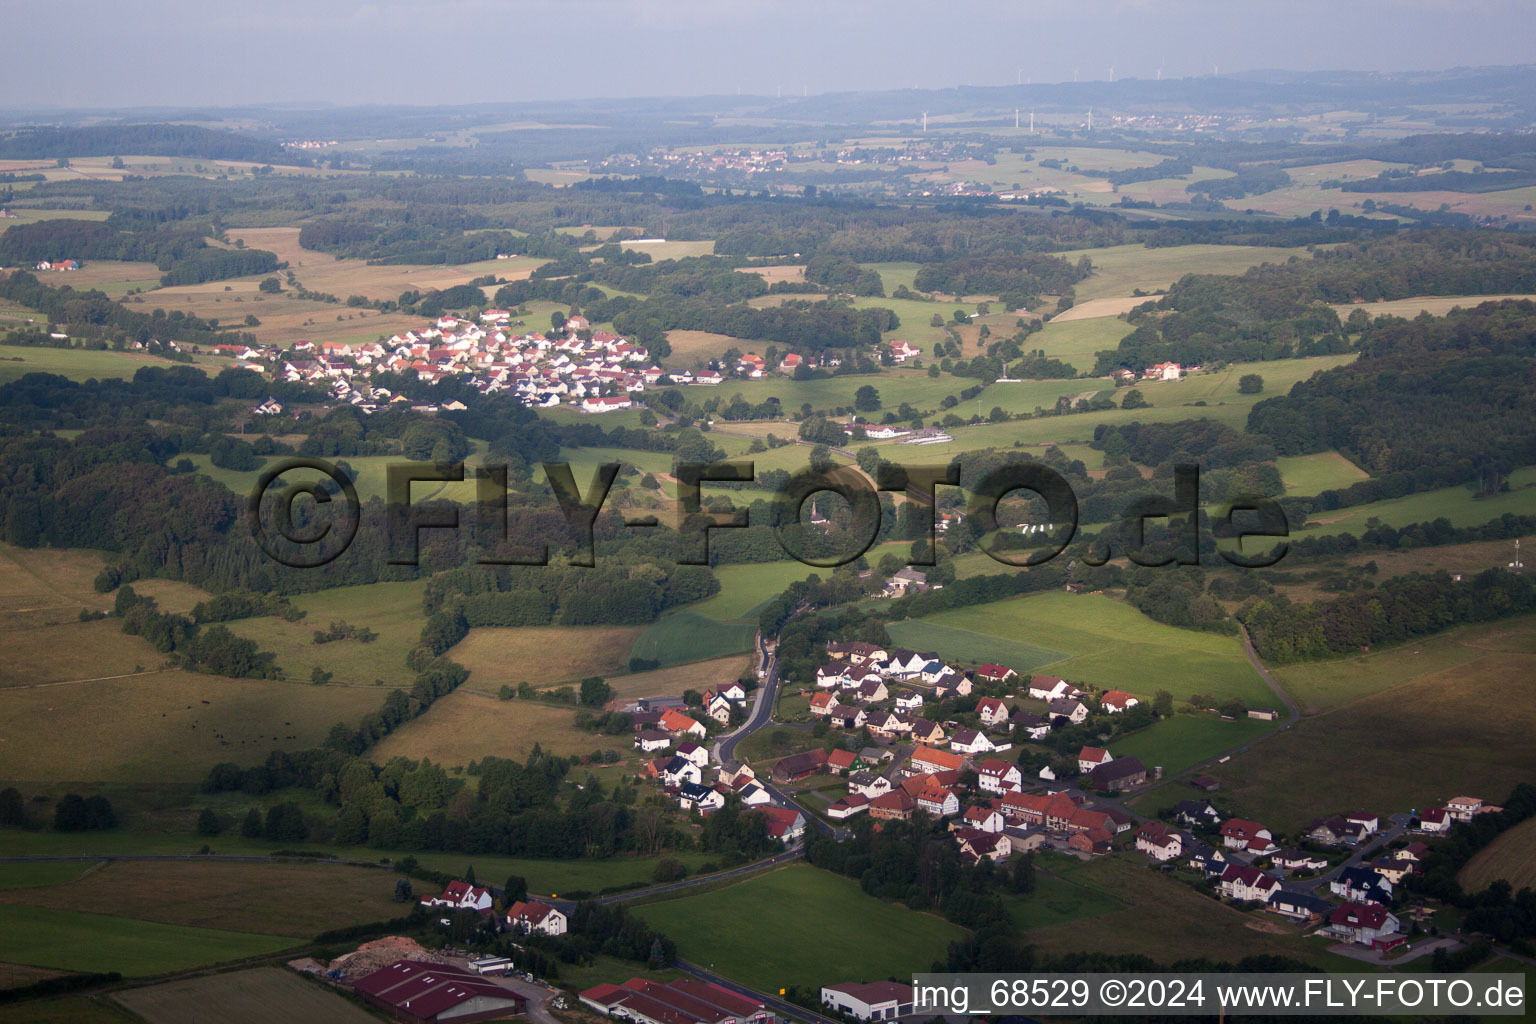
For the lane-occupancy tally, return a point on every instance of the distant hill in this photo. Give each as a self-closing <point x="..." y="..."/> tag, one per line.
<point x="139" y="140"/>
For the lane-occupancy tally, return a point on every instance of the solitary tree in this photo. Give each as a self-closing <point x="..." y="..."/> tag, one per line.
<point x="1250" y="384"/>
<point x="208" y="823"/>
<point x="866" y="399"/>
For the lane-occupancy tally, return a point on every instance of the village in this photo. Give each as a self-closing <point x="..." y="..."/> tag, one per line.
<point x="988" y="777"/>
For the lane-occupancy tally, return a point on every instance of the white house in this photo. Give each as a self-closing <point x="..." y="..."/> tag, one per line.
<point x="970" y="741"/>
<point x="999" y="777"/>
<point x="1247" y="884"/>
<point x="992" y="712"/>
<point x="1159" y="842"/>
<point x="527" y="916"/>
<point x="460" y="896"/>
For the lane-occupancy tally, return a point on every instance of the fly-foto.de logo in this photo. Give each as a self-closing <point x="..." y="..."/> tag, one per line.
<point x="310" y="522"/>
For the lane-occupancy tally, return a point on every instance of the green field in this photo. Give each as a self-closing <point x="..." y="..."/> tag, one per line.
<point x="1322" y="685"/>
<point x="1107" y="644"/>
<point x="1458" y="504"/>
<point x="1079" y="341"/>
<point x="744" y="586"/>
<point x="1201" y="396"/>
<point x="76" y="941"/>
<point x="1184" y="741"/>
<point x="1509" y="857"/>
<point x="546" y="877"/>
<point x="169" y="726"/>
<point x="1313" y="474"/>
<point x="1121" y="269"/>
<point x="78" y="363"/>
<point x="393" y="610"/>
<point x="760" y="932"/>
<point x="1062" y="895"/>
<point x="46" y="873"/>
<point x="1467" y="727"/>
<point x="685" y="636"/>
<point x="265" y="995"/>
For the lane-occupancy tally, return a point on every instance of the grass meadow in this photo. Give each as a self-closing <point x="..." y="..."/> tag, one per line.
<point x="233" y="896"/>
<point x="542" y="655"/>
<point x="1460" y="505"/>
<point x="1184" y="741"/>
<point x="170" y="725"/>
<point x="1119" y="270"/>
<point x="1313" y="474"/>
<point x="1511" y="857"/>
<point x="1434" y="305"/>
<point x="393" y="610"/>
<point x="264" y="995"/>
<point x="755" y="931"/>
<point x="78" y="941"/>
<point x="1107" y="644"/>
<point x="1460" y="726"/>
<point x="467" y="725"/>
<point x="684" y="636"/>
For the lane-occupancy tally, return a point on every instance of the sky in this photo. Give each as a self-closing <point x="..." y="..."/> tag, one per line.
<point x="116" y="54"/>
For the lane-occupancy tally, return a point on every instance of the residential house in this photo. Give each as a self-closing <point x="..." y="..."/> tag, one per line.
<point x="843" y="762"/>
<point x="999" y="777"/>
<point x="679" y="724"/>
<point x="1462" y="808"/>
<point x="970" y="741"/>
<point x="1242" y="834"/>
<point x="867" y="783"/>
<point x="923" y="731"/>
<point x="1090" y="758"/>
<point x="527" y="916"/>
<point x="651" y="740"/>
<point x="695" y="795"/>
<point x="1247" y="884"/>
<point x="856" y="650"/>
<point x="992" y="712"/>
<point x="1414" y="853"/>
<point x="846" y="807"/>
<point x="1073" y="710"/>
<point x="1392" y="869"/>
<point x="908" y="700"/>
<point x="842" y="717"/>
<point x="784" y="823"/>
<point x="1293" y="859"/>
<point x="1210" y="861"/>
<point x="1197" y="813"/>
<point x="1030" y="724"/>
<point x="1299" y="906"/>
<point x="1366" y="925"/>
<point x="1367" y="821"/>
<point x="987" y="819"/>
<point x="977" y="845"/>
<point x="716" y="706"/>
<point x="1337" y="831"/>
<point x="680" y="770"/>
<point x="823" y="704"/>
<point x="832" y="675"/>
<point x="896" y="805"/>
<point x="1361" y="885"/>
<point x="1435" y="821"/>
<point x="927" y="760"/>
<point x="870" y="691"/>
<point x="995" y="675"/>
<point x="1051" y="688"/>
<point x="459" y="895"/>
<point x="938" y="800"/>
<point x="1159" y="842"/>
<point x="1115" y="701"/>
<point x="1095" y="841"/>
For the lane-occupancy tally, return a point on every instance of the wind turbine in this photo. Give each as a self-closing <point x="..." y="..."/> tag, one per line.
<point x="1159" y="74"/>
<point x="1111" y="72"/>
<point x="925" y="120"/>
<point x="1090" y="119"/>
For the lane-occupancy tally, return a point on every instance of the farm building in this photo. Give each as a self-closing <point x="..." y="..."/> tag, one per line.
<point x="413" y="990"/>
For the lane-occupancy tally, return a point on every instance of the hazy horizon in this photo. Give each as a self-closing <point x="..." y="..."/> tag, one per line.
<point x="176" y="53"/>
